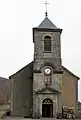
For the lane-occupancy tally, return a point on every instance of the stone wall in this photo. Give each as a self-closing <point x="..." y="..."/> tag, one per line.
<point x="39" y="81"/>
<point x="40" y="56"/>
<point x="38" y="103"/>
<point x="69" y="88"/>
<point x="39" y="84"/>
<point x="21" y="92"/>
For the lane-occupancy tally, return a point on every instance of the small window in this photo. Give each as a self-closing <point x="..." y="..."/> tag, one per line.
<point x="47" y="43"/>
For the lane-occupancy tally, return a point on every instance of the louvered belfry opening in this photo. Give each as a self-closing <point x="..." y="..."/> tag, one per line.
<point x="47" y="43"/>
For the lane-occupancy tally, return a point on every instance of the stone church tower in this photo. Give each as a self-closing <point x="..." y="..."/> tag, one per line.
<point x="47" y="69"/>
<point x="40" y="89"/>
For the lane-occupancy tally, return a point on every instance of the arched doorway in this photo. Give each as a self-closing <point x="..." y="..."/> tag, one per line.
<point x="47" y="108"/>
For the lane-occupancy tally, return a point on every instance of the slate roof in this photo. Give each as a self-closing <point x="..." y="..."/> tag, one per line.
<point x="4" y="85"/>
<point x="4" y="82"/>
<point x="46" y="23"/>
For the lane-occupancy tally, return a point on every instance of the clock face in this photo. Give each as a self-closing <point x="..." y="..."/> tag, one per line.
<point x="47" y="71"/>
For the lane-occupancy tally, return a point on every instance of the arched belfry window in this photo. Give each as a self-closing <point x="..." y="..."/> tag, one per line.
<point x="47" y="43"/>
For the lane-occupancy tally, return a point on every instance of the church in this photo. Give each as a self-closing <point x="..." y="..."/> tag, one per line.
<point x="44" y="86"/>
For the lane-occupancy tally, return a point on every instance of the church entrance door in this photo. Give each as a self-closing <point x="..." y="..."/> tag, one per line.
<point x="47" y="108"/>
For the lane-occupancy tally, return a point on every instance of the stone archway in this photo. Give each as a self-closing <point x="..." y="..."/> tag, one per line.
<point x="47" y="108"/>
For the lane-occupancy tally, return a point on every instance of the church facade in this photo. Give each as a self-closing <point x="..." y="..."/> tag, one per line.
<point x="41" y="88"/>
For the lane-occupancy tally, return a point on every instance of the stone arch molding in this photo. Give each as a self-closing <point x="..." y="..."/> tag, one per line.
<point x="47" y="97"/>
<point x="47" y="34"/>
<point x="47" y="64"/>
<point x="50" y="101"/>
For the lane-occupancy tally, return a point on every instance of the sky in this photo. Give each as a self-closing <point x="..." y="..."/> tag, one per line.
<point x="18" y="17"/>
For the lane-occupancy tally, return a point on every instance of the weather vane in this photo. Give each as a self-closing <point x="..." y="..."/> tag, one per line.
<point x="46" y="3"/>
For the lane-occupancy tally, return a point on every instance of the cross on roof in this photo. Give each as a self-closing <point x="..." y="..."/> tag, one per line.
<point x="46" y="3"/>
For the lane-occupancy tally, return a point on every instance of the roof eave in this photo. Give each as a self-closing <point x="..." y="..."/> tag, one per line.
<point x="46" y="30"/>
<point x="78" y="78"/>
<point x="13" y="75"/>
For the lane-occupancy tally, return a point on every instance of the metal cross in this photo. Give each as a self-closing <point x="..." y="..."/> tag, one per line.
<point x="46" y="3"/>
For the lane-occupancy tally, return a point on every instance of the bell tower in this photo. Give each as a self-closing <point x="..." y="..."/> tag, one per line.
<point x="47" y="46"/>
<point x="47" y="68"/>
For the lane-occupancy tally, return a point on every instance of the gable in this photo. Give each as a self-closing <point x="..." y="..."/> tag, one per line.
<point x="46" y="90"/>
<point x="25" y="71"/>
<point x="69" y="72"/>
<point x="29" y="67"/>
